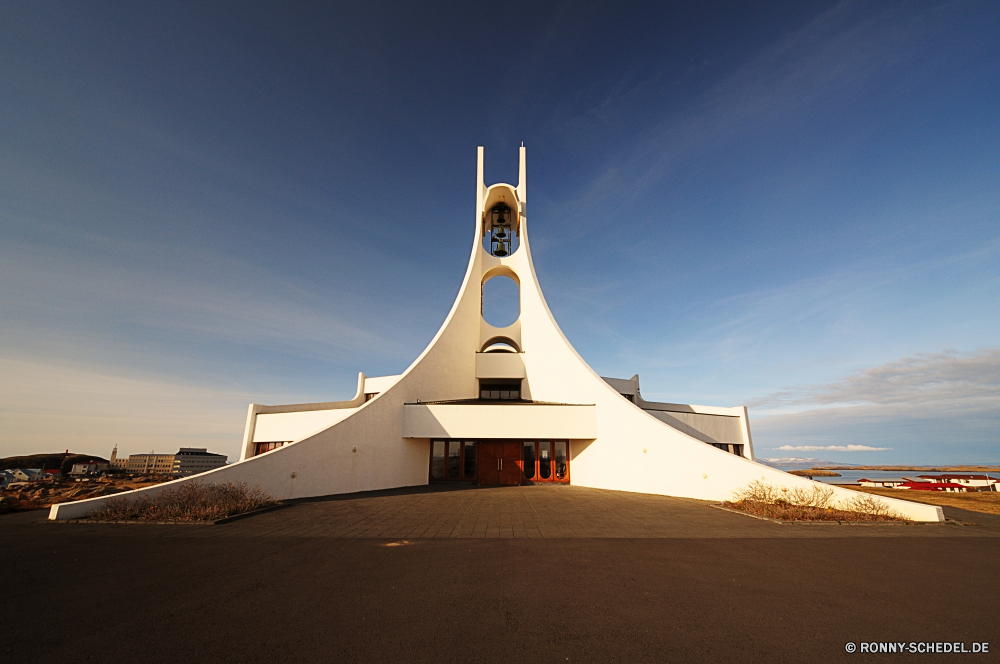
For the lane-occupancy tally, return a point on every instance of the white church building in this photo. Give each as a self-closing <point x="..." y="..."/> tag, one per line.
<point x="502" y="406"/>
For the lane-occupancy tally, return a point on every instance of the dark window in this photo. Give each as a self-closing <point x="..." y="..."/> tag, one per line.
<point x="470" y="460"/>
<point x="454" y="459"/>
<point x="370" y="395"/>
<point x="729" y="447"/>
<point x="630" y="397"/>
<point x="437" y="460"/>
<point x="500" y="390"/>
<point x="561" y="462"/>
<point x="260" y="448"/>
<point x="529" y="459"/>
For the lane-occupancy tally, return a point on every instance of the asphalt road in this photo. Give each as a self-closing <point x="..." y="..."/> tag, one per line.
<point x="134" y="594"/>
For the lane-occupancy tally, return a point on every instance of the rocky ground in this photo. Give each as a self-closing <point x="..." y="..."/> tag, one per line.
<point x="38" y="495"/>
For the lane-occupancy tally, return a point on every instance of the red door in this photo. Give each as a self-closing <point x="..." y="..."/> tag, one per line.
<point x="500" y="462"/>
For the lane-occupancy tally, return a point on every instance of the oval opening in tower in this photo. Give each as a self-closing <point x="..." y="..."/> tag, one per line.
<point x="501" y="301"/>
<point x="500" y="230"/>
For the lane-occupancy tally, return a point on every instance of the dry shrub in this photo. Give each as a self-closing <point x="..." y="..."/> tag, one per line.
<point x="759" y="491"/>
<point x="812" y="504"/>
<point x="193" y="501"/>
<point x="868" y="504"/>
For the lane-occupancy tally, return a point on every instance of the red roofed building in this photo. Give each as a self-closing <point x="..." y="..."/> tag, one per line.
<point x="980" y="482"/>
<point x="936" y="486"/>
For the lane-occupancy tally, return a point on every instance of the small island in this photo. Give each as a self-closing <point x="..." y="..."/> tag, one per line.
<point x="812" y="472"/>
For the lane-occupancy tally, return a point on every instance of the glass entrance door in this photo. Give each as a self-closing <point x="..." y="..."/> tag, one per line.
<point x="546" y="460"/>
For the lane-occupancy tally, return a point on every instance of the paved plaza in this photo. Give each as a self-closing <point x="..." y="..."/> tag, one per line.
<point x="495" y="574"/>
<point x="540" y="511"/>
<point x="547" y="511"/>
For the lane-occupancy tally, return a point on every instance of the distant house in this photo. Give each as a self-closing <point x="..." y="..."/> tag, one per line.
<point x="951" y="487"/>
<point x="26" y="474"/>
<point x="886" y="483"/>
<point x="947" y="482"/>
<point x="88" y="468"/>
<point x="980" y="482"/>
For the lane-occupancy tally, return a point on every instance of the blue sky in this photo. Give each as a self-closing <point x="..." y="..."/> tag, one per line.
<point x="794" y="207"/>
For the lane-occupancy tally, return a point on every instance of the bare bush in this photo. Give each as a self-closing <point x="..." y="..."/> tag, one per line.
<point x="758" y="491"/>
<point x="192" y="501"/>
<point x="814" y="496"/>
<point x="808" y="504"/>
<point x="864" y="503"/>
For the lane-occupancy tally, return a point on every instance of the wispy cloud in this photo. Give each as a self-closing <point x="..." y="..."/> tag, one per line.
<point x="928" y="407"/>
<point x="836" y="51"/>
<point x="946" y="379"/>
<point x="223" y="299"/>
<point x="51" y="406"/>
<point x="831" y="448"/>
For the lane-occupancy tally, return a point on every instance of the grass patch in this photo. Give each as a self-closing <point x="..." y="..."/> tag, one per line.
<point x="812" y="504"/>
<point x="192" y="501"/>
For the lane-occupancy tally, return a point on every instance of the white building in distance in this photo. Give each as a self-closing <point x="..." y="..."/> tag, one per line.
<point x="507" y="405"/>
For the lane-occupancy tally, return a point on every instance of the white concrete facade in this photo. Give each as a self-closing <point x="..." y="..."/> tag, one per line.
<point x="380" y="438"/>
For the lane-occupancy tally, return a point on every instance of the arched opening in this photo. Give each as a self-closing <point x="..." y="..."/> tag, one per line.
<point x="500" y="230"/>
<point x="499" y="347"/>
<point x="501" y="301"/>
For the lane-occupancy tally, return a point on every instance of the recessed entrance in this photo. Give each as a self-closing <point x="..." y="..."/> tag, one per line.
<point x="499" y="462"/>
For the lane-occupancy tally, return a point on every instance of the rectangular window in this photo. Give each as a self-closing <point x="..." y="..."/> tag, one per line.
<point x="454" y="459"/>
<point x="561" y="460"/>
<point x="260" y="448"/>
<point x="470" y="460"/>
<point x="437" y="459"/>
<point x="500" y="390"/>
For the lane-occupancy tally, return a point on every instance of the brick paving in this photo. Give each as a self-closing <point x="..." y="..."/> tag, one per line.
<point x="521" y="512"/>
<point x="534" y="512"/>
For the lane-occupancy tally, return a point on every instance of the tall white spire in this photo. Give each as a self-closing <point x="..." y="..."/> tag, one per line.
<point x="522" y="181"/>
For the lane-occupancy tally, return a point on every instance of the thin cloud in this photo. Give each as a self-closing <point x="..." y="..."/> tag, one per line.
<point x="931" y="407"/>
<point x="52" y="406"/>
<point x="830" y="54"/>
<point x="946" y="379"/>
<point x="831" y="448"/>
